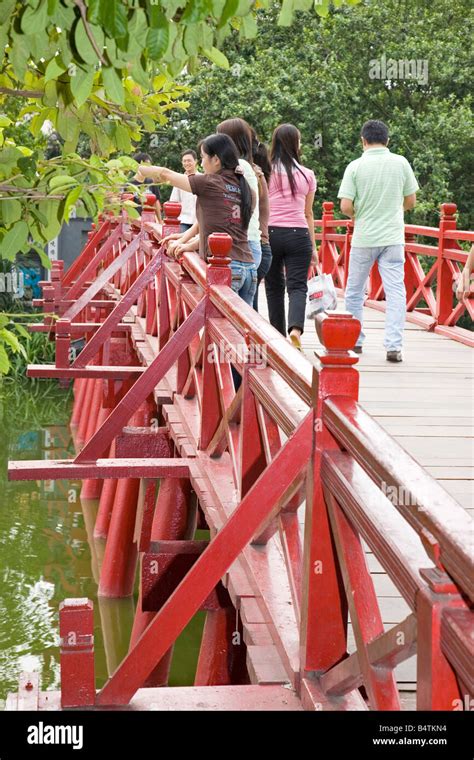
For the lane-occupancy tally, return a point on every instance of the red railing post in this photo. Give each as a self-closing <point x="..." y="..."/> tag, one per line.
<point x="323" y="636"/>
<point x="437" y="686"/>
<point x="218" y="273"/>
<point x="444" y="289"/>
<point x="148" y="211"/>
<point x="76" y="631"/>
<point x="325" y="258"/>
<point x="171" y="218"/>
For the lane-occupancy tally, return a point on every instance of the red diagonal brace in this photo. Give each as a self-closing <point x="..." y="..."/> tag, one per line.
<point x="123" y="306"/>
<point x="84" y="256"/>
<point x="117" y="264"/>
<point x="257" y="506"/>
<point x="90" y="270"/>
<point x="142" y="388"/>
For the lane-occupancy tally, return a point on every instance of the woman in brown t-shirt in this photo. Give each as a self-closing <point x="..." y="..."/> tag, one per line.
<point x="224" y="204"/>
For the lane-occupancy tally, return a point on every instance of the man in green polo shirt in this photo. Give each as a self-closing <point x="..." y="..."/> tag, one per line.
<point x="375" y="191"/>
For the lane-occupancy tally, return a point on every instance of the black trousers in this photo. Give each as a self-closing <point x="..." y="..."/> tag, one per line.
<point x="291" y="256"/>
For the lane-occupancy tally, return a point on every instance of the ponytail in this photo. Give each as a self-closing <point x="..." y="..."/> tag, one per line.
<point x="245" y="201"/>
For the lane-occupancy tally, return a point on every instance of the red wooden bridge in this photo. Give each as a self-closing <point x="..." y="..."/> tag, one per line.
<point x="338" y="574"/>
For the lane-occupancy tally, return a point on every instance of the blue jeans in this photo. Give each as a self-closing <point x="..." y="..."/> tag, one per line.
<point x="391" y="263"/>
<point x="244" y="279"/>
<point x="184" y="227"/>
<point x="265" y="265"/>
<point x="256" y="249"/>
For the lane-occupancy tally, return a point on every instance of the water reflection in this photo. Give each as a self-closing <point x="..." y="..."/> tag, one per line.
<point x="44" y="551"/>
<point x="48" y="551"/>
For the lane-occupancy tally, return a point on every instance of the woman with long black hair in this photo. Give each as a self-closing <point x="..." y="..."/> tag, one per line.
<point x="240" y="132"/>
<point x="224" y="204"/>
<point x="291" y="232"/>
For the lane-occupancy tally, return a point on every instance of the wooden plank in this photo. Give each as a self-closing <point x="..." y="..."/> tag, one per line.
<point x="265" y="666"/>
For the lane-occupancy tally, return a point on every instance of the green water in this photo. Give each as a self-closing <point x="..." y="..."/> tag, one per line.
<point x="47" y="552"/>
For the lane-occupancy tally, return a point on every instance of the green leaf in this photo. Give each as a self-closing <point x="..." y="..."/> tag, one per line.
<point x="19" y="55"/>
<point x="230" y="9"/>
<point x="44" y="258"/>
<point x="115" y="19"/>
<point x="157" y="39"/>
<point x="113" y="85"/>
<point x="10" y="211"/>
<point x="71" y="199"/>
<point x="10" y="339"/>
<point x="191" y="39"/>
<point x="14" y="240"/>
<point x="39" y="216"/>
<point x="83" y="45"/>
<point x="322" y="7"/>
<point x="138" y="26"/>
<point x="23" y="332"/>
<point x="67" y="124"/>
<point x="89" y="202"/>
<point x="50" y="97"/>
<point x="6" y="9"/>
<point x="34" y="19"/>
<point x="249" y="27"/>
<point x="122" y="139"/>
<point x="140" y="76"/>
<point x="50" y="209"/>
<point x="4" y="361"/>
<point x="4" y="320"/>
<point x="94" y="11"/>
<point x="52" y="5"/>
<point x="60" y="181"/>
<point x="286" y="14"/>
<point x="81" y="85"/>
<point x="54" y="68"/>
<point x="217" y="57"/>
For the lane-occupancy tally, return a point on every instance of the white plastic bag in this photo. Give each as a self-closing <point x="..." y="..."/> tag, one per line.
<point x="321" y="295"/>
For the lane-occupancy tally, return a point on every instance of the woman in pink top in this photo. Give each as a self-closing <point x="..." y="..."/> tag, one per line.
<point x="291" y="232"/>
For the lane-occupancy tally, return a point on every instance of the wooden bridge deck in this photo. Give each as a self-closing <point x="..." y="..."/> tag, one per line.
<point x="426" y="403"/>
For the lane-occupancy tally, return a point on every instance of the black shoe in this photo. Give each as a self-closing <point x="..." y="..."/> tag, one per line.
<point x="357" y="349"/>
<point x="394" y="356"/>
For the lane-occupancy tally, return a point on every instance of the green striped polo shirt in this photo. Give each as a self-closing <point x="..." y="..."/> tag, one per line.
<point x="377" y="183"/>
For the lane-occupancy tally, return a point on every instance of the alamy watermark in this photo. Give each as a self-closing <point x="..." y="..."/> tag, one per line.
<point x="222" y="353"/>
<point x="415" y="69"/>
<point x="400" y="496"/>
<point x="12" y="282"/>
<point x="42" y="733"/>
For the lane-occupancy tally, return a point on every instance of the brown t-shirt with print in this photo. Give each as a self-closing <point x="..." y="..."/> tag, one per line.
<point x="218" y="210"/>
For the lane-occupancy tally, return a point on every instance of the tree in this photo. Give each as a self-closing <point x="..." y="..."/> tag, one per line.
<point x="104" y="69"/>
<point x="319" y="75"/>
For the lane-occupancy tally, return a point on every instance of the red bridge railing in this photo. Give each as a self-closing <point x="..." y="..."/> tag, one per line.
<point x="430" y="299"/>
<point x="155" y="401"/>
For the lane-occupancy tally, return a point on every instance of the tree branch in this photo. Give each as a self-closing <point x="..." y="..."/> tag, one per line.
<point x="92" y="40"/>
<point x="21" y="93"/>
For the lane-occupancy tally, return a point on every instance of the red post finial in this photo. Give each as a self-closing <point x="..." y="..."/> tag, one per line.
<point x="172" y="211"/>
<point x="171" y="218"/>
<point x="220" y="245"/>
<point x="218" y="269"/>
<point x="328" y="208"/>
<point x="150" y="201"/>
<point x="448" y="210"/>
<point x="338" y="332"/>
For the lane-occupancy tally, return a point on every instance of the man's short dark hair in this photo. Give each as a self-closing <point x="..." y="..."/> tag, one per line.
<point x="375" y="131"/>
<point x="142" y="157"/>
<point x="189" y="152"/>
